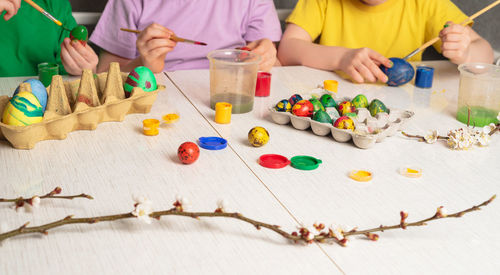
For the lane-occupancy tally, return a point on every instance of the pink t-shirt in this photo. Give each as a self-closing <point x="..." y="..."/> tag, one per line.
<point x="222" y="24"/>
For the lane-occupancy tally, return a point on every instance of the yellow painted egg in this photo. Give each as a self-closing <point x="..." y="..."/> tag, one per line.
<point x="258" y="136"/>
<point x="23" y="109"/>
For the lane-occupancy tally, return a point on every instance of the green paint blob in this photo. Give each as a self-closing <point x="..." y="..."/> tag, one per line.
<point x="79" y="33"/>
<point x="479" y="116"/>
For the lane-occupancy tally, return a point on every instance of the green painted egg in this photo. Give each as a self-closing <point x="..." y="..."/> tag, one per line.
<point x="322" y="116"/>
<point x="140" y="77"/>
<point x="360" y="101"/>
<point x="328" y="101"/>
<point x="377" y="106"/>
<point x="316" y="104"/>
<point x="79" y="33"/>
<point x="23" y="109"/>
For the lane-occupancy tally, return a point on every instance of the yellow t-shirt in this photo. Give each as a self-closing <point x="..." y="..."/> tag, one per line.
<point x="394" y="28"/>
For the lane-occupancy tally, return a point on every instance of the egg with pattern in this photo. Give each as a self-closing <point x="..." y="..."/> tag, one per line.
<point x="140" y="77"/>
<point x="37" y="89"/>
<point x="344" y="122"/>
<point x="23" y="109"/>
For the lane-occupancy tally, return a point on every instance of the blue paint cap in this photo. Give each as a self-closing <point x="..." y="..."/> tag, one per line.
<point x="212" y="143"/>
<point x="424" y="77"/>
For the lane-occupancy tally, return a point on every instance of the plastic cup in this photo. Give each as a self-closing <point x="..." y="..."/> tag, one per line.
<point x="263" y="87"/>
<point x="150" y="127"/>
<point x="46" y="71"/>
<point x="233" y="77"/>
<point x="480" y="92"/>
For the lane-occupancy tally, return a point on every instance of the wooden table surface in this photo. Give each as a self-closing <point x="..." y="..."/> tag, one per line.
<point x="116" y="161"/>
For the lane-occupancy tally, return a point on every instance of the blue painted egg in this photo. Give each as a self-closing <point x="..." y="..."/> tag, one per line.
<point x="283" y="106"/>
<point x="23" y="109"/>
<point x="400" y="73"/>
<point x="141" y="77"/>
<point x="37" y="89"/>
<point x="294" y="99"/>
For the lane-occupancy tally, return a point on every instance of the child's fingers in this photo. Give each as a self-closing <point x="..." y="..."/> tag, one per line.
<point x="67" y="60"/>
<point x="452" y="37"/>
<point x="10" y="9"/>
<point x="380" y="59"/>
<point x="354" y="74"/>
<point x="158" y="43"/>
<point x="86" y="52"/>
<point x="365" y="73"/>
<point x="377" y="72"/>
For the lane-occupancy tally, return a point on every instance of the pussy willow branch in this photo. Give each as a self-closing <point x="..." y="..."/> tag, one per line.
<point x="322" y="237"/>
<point x="51" y="195"/>
<point x="421" y="138"/>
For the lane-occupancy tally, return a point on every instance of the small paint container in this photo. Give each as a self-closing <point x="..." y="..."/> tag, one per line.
<point x="263" y="87"/>
<point x="360" y="175"/>
<point x="46" y="71"/>
<point x="150" y="127"/>
<point x="223" y="112"/>
<point x="331" y="85"/>
<point x="424" y="77"/>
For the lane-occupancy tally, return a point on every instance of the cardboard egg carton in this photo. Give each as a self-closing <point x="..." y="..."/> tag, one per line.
<point x="368" y="130"/>
<point x="79" y="105"/>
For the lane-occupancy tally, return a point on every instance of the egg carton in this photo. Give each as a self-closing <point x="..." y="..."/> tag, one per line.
<point x="79" y="105"/>
<point x="368" y="130"/>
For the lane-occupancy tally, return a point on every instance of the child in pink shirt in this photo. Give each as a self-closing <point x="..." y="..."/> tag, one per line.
<point x="223" y="24"/>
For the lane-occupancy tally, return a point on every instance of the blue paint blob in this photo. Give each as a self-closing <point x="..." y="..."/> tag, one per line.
<point x="38" y="90"/>
<point x="400" y="73"/>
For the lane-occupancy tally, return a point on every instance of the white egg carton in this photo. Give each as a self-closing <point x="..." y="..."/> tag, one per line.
<point x="368" y="130"/>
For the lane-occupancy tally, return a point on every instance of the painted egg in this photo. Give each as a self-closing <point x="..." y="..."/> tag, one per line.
<point x="37" y="89"/>
<point x="23" y="109"/>
<point x="346" y="107"/>
<point x="283" y="106"/>
<point x="294" y="99"/>
<point x="303" y="108"/>
<point x="322" y="116"/>
<point x="188" y="152"/>
<point x="377" y="106"/>
<point x="141" y="77"/>
<point x="316" y="104"/>
<point x="258" y="136"/>
<point x="344" y="122"/>
<point x="328" y="101"/>
<point x="333" y="113"/>
<point x="360" y="101"/>
<point x="400" y="73"/>
<point x="79" y="33"/>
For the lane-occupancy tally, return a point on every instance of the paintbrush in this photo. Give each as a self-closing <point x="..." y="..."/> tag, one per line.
<point x="173" y="37"/>
<point x="466" y="22"/>
<point x="48" y="15"/>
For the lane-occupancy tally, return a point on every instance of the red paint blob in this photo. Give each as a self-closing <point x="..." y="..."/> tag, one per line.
<point x="188" y="152"/>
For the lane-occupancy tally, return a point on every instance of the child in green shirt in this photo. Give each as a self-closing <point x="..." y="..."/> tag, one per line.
<point x="29" y="38"/>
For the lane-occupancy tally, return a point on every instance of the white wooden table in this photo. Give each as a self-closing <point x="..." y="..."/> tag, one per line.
<point x="456" y="179"/>
<point x="116" y="161"/>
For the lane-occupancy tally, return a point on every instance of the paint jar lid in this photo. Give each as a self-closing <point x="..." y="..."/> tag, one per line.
<point x="273" y="161"/>
<point x="424" y="77"/>
<point x="212" y="143"/>
<point x="305" y="162"/>
<point x="360" y="175"/>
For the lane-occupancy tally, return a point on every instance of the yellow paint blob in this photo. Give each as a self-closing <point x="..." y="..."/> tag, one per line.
<point x="360" y="175"/>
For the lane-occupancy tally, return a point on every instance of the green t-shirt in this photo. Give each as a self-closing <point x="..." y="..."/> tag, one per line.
<point x="29" y="38"/>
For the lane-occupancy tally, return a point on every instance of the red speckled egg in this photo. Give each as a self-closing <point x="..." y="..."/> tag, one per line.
<point x="188" y="152"/>
<point x="303" y="108"/>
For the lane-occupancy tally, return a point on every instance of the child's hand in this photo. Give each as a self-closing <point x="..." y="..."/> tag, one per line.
<point x="363" y="65"/>
<point x="75" y="57"/>
<point x="266" y="49"/>
<point x="11" y="6"/>
<point x="456" y="41"/>
<point x="153" y="45"/>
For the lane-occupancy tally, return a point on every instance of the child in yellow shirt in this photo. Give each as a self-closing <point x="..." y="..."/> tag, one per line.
<point x="356" y="36"/>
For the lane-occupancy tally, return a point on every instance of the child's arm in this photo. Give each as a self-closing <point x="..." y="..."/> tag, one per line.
<point x="296" y="48"/>
<point x="153" y="45"/>
<point x="75" y="57"/>
<point x="461" y="44"/>
<point x="267" y="50"/>
<point x="11" y="6"/>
